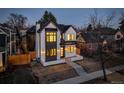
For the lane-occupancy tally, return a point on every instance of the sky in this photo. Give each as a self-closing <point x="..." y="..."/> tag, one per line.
<point x="78" y="17"/>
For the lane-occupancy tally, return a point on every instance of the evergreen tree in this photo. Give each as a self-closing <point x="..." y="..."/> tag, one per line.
<point x="89" y="28"/>
<point x="122" y="25"/>
<point x="48" y="16"/>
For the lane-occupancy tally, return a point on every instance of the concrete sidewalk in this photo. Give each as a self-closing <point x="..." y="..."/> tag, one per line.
<point x="90" y="76"/>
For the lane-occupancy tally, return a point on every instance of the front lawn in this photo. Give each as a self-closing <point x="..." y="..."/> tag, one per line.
<point x="94" y="64"/>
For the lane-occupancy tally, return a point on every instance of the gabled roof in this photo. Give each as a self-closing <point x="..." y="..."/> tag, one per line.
<point x="89" y="37"/>
<point x="42" y="26"/>
<point x="2" y="32"/>
<point x="105" y="31"/>
<point x="80" y="38"/>
<point x="120" y="31"/>
<point x="32" y="29"/>
<point x="6" y="29"/>
<point x="63" y="27"/>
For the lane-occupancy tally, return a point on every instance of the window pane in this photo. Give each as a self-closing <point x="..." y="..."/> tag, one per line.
<point x="61" y="51"/>
<point x="47" y="52"/>
<point x="54" y="51"/>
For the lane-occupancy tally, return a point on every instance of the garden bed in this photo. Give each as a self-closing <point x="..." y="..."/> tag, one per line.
<point x="52" y="74"/>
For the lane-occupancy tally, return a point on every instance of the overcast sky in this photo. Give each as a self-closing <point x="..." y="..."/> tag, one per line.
<point x="74" y="16"/>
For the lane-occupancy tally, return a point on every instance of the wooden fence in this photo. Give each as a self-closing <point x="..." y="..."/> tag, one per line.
<point x="32" y="55"/>
<point x="21" y="59"/>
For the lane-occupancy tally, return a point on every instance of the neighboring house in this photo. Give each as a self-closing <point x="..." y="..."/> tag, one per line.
<point x="3" y="49"/>
<point x="91" y="41"/>
<point x="80" y="41"/>
<point x="55" y="43"/>
<point x="30" y="36"/>
<point x="119" y="38"/>
<point x="23" y="34"/>
<point x="11" y="39"/>
<point x="106" y="33"/>
<point x="119" y="35"/>
<point x="81" y="44"/>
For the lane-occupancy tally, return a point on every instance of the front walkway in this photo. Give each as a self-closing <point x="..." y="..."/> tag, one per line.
<point x="90" y="76"/>
<point x="77" y="68"/>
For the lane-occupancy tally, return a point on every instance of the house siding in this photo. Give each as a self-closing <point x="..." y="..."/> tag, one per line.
<point x="70" y="31"/>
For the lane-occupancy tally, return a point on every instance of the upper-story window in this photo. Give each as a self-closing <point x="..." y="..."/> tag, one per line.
<point x="118" y="36"/>
<point x="70" y="37"/>
<point x="51" y="36"/>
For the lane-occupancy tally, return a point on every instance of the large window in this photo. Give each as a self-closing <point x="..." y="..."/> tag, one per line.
<point x="51" y="36"/>
<point x="51" y="52"/>
<point x="70" y="49"/>
<point x="70" y="37"/>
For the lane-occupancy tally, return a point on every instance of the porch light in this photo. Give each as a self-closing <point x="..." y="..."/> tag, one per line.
<point x="42" y="52"/>
<point x="104" y="42"/>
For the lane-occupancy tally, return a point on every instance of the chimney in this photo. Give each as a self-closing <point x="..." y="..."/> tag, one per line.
<point x="37" y="26"/>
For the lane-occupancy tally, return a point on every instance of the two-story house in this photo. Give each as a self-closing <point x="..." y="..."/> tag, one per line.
<point x="55" y="43"/>
<point x="11" y="39"/>
<point x="3" y="50"/>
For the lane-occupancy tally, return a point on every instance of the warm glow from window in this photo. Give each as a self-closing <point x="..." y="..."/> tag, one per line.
<point x="61" y="51"/>
<point x="54" y="51"/>
<point x="70" y="37"/>
<point x="70" y="49"/>
<point x="47" y="53"/>
<point x="1" y="65"/>
<point x="51" y="36"/>
<point x="51" y="52"/>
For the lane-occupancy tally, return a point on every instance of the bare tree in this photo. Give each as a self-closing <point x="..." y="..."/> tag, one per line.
<point x="109" y="18"/>
<point x="121" y="16"/>
<point x="94" y="19"/>
<point x="97" y="21"/>
<point x="17" y="22"/>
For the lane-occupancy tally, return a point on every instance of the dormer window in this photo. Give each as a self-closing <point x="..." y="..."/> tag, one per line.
<point x="70" y="37"/>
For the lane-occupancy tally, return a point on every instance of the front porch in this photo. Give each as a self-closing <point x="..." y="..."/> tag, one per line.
<point x="73" y="58"/>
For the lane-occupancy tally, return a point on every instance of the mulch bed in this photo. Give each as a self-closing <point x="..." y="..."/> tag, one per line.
<point x="90" y="66"/>
<point x="52" y="78"/>
<point x="54" y="73"/>
<point x="121" y="72"/>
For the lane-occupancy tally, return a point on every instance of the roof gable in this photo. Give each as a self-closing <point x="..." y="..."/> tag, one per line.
<point x="89" y="37"/>
<point x="80" y="38"/>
